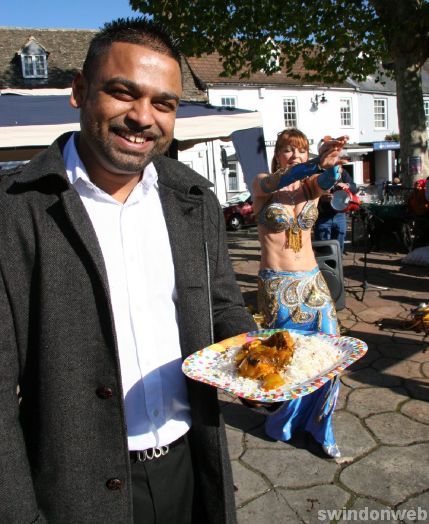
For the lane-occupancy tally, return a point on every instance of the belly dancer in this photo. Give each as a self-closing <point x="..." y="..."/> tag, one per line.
<point x="292" y="292"/>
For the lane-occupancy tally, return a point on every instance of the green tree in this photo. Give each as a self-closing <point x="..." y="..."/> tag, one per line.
<point x="335" y="39"/>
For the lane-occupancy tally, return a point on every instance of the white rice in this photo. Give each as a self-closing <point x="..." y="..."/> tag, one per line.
<point x="312" y="356"/>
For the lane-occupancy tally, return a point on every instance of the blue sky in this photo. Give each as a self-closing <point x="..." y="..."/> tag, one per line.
<point x="70" y="14"/>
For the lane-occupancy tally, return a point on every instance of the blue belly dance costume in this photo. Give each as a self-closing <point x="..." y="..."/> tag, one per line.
<point x="299" y="300"/>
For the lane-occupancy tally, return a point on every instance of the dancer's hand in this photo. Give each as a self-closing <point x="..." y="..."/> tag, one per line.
<point x="330" y="150"/>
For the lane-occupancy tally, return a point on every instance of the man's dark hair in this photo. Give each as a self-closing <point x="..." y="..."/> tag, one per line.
<point x="138" y="31"/>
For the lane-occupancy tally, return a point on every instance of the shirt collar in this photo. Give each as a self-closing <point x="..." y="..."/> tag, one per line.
<point x="76" y="170"/>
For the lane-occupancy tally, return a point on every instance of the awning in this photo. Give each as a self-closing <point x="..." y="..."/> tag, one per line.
<point x="357" y="149"/>
<point x="33" y="136"/>
<point x="210" y="127"/>
<point x="31" y="121"/>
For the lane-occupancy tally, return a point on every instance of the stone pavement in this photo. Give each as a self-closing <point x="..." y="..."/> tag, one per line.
<point x="381" y="421"/>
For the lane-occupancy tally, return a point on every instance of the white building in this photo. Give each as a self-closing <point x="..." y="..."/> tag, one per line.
<point x="366" y="111"/>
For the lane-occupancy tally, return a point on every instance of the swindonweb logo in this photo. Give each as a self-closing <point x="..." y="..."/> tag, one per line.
<point x="377" y="515"/>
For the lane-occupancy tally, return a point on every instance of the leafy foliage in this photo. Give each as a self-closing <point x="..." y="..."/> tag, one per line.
<point x="334" y="38"/>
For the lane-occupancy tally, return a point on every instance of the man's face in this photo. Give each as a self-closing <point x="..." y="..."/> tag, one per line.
<point x="128" y="109"/>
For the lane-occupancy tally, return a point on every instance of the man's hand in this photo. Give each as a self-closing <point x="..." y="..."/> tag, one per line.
<point x="265" y="407"/>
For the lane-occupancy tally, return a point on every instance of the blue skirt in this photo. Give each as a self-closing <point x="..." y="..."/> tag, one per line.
<point x="301" y="301"/>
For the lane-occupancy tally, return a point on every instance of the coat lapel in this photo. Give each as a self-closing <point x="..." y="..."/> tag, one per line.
<point x="184" y="215"/>
<point x="81" y="224"/>
<point x="185" y="224"/>
<point x="48" y="170"/>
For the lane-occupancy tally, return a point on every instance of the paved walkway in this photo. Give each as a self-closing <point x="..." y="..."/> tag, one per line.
<point x="381" y="421"/>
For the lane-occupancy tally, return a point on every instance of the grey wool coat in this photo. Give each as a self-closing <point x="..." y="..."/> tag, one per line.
<point x="61" y="441"/>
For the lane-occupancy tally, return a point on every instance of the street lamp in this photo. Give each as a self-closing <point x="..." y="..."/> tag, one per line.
<point x="318" y="99"/>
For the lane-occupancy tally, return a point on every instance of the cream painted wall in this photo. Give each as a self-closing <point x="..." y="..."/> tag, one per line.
<point x="367" y="130"/>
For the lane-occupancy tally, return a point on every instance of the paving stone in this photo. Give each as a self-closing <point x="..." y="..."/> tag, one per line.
<point x="311" y="503"/>
<point x="420" y="504"/>
<point x="345" y="315"/>
<point x="348" y="323"/>
<point x="271" y="508"/>
<point x="411" y="351"/>
<point x="300" y="440"/>
<point x="258" y="439"/>
<point x="372" y="300"/>
<point x="247" y="483"/>
<point x="389" y="473"/>
<point x="352" y="437"/>
<point x="418" y="388"/>
<point x="398" y="368"/>
<point x="405" y="315"/>
<point x="394" y="428"/>
<point x="369" y="328"/>
<point x="342" y="397"/>
<point x="410" y="337"/>
<point x="370" y="377"/>
<point x="417" y="410"/>
<point x="368" y="401"/>
<point x="291" y="468"/>
<point x="369" y="297"/>
<point x="375" y="314"/>
<point x="235" y="442"/>
<point x="368" y="511"/>
<point x="354" y="305"/>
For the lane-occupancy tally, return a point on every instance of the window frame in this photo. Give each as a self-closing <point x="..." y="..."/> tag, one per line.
<point x="232" y="98"/>
<point x="289" y="99"/>
<point x="385" y="122"/>
<point x="35" y="65"/>
<point x="232" y="169"/>
<point x="349" y="113"/>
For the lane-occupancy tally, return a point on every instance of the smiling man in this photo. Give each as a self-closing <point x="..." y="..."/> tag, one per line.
<point x="128" y="109"/>
<point x="113" y="268"/>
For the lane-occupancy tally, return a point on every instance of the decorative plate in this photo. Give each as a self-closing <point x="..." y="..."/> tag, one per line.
<point x="208" y="365"/>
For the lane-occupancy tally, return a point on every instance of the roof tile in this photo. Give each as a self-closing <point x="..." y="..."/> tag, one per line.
<point x="66" y="50"/>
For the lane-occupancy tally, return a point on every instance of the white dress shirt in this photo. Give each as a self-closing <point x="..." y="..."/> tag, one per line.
<point x="137" y="254"/>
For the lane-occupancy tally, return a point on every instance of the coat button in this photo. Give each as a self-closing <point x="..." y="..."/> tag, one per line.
<point x="114" y="484"/>
<point x="104" y="392"/>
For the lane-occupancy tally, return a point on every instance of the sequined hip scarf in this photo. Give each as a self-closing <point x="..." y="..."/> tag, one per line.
<point x="287" y="299"/>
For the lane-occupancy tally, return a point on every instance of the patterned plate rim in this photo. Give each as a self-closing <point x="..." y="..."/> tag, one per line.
<point x="355" y="349"/>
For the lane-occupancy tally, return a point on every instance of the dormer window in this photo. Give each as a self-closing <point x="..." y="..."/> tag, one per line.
<point x="34" y="60"/>
<point x="34" y="66"/>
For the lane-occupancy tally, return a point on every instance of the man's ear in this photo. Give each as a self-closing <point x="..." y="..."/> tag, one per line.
<point x="78" y="91"/>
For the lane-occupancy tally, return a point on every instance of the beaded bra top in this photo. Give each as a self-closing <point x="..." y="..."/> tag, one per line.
<point x="277" y="217"/>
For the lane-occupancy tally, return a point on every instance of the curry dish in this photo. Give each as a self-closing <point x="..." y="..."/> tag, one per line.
<point x="266" y="359"/>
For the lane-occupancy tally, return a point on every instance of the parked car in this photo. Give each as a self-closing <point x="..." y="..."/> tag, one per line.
<point x="238" y="212"/>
